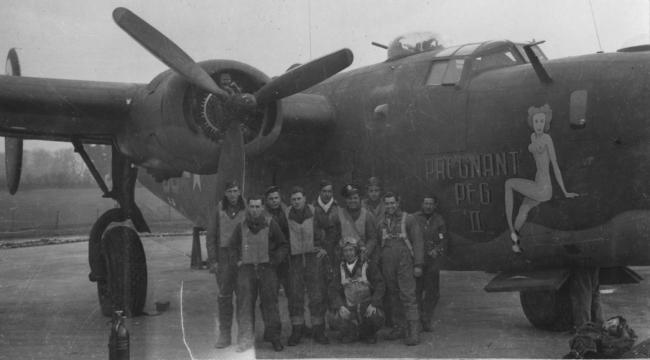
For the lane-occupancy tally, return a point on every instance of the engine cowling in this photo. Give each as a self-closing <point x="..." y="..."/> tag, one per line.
<point x="177" y="126"/>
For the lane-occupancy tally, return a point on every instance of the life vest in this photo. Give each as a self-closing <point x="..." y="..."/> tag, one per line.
<point x="301" y="236"/>
<point x="353" y="228"/>
<point x="255" y="246"/>
<point x="227" y="225"/>
<point x="390" y="235"/>
<point x="356" y="289"/>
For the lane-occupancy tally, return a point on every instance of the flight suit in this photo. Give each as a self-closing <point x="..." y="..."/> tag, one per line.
<point x="377" y="209"/>
<point x="328" y="220"/>
<point x="261" y="246"/>
<point x="401" y="250"/>
<point x="306" y="271"/>
<point x="434" y="233"/>
<point x="360" y="225"/>
<point x="355" y="290"/>
<point x="585" y="296"/>
<point x="280" y="217"/>
<point x="220" y="250"/>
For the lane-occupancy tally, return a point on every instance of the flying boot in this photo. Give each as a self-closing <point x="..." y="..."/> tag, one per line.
<point x="296" y="335"/>
<point x="319" y="334"/>
<point x="225" y="322"/>
<point x="413" y="333"/>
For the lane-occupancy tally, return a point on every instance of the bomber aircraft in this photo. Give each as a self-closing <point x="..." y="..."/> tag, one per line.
<point x="524" y="152"/>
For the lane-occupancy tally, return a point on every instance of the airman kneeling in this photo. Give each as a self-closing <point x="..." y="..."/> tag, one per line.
<point x="356" y="294"/>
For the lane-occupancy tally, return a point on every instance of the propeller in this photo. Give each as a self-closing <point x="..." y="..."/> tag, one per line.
<point x="232" y="156"/>
<point x="304" y="76"/>
<point x="13" y="145"/>
<point x="165" y="50"/>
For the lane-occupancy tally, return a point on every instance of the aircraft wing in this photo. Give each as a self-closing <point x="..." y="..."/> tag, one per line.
<point x="63" y="110"/>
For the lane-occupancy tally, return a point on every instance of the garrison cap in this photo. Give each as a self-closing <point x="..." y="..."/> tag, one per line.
<point x="324" y="183"/>
<point x="373" y="181"/>
<point x="349" y="190"/>
<point x="271" y="189"/>
<point x="231" y="184"/>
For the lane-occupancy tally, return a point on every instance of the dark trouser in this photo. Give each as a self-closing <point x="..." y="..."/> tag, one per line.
<point x="251" y="281"/>
<point x="226" y="284"/>
<point x="307" y="274"/>
<point x="397" y="268"/>
<point x="358" y="321"/>
<point x="283" y="276"/>
<point x="428" y="289"/>
<point x="585" y="297"/>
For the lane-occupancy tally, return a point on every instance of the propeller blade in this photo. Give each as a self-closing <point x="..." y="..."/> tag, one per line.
<point x="13" y="162"/>
<point x="304" y="76"/>
<point x="232" y="159"/>
<point x="165" y="50"/>
<point x="13" y="145"/>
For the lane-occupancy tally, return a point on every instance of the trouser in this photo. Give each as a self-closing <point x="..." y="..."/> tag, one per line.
<point x="427" y="289"/>
<point x="585" y="297"/>
<point x="397" y="269"/>
<point x="226" y="284"/>
<point x="282" y="271"/>
<point x="307" y="274"/>
<point x="254" y="280"/>
<point x="357" y="321"/>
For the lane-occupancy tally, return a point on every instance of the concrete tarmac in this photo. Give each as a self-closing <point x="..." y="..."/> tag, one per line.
<point x="49" y="310"/>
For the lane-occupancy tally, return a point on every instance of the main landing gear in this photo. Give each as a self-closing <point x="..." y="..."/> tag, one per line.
<point x="548" y="310"/>
<point x="117" y="260"/>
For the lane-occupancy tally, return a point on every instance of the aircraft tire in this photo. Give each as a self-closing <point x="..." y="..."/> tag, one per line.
<point x="125" y="287"/>
<point x="548" y="310"/>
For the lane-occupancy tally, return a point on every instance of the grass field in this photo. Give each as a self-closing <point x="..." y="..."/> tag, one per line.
<point x="49" y="212"/>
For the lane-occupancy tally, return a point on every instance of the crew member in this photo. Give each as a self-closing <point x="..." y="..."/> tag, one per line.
<point x="278" y="210"/>
<point x="307" y="265"/>
<point x="326" y="213"/>
<point x="357" y="222"/>
<point x="223" y="257"/>
<point x="435" y="237"/>
<point x="374" y="202"/>
<point x="401" y="261"/>
<point x="356" y="294"/>
<point x="584" y="292"/>
<point x="261" y="246"/>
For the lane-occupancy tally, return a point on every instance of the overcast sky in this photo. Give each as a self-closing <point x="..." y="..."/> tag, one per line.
<point x="78" y="39"/>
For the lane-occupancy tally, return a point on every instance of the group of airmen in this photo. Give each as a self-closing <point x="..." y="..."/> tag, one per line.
<point x="358" y="265"/>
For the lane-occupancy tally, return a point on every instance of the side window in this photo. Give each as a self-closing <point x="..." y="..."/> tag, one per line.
<point x="578" y="109"/>
<point x="494" y="60"/>
<point x="445" y="72"/>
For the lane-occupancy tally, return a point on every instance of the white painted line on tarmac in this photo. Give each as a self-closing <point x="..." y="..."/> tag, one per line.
<point x="183" y="325"/>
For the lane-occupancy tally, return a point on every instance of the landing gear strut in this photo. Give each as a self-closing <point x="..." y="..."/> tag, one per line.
<point x="115" y="254"/>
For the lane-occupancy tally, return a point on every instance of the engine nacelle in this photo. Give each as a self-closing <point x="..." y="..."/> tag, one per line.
<point x="176" y="126"/>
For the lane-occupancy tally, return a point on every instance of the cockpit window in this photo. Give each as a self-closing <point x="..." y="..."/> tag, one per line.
<point x="467" y="49"/>
<point x="447" y="51"/>
<point x="494" y="60"/>
<point x="445" y="72"/>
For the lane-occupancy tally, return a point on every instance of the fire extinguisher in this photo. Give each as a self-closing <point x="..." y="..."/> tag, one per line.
<point x="118" y="343"/>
